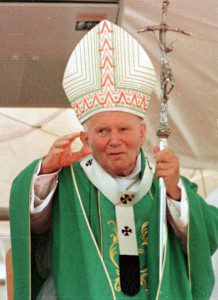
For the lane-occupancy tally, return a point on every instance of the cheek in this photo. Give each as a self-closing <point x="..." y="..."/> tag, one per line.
<point x="134" y="142"/>
<point x="98" y="145"/>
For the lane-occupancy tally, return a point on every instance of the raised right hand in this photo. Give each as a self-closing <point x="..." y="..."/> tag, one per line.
<point x="60" y="154"/>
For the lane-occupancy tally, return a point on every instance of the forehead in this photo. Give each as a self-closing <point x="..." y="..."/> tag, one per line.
<point x="113" y="118"/>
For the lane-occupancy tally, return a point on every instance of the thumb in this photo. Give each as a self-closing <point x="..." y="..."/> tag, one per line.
<point x="156" y="149"/>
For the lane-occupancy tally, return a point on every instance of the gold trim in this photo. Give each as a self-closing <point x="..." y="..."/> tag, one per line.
<point x="30" y="194"/>
<point x="152" y="198"/>
<point x="131" y="184"/>
<point x="147" y="162"/>
<point x="91" y="233"/>
<point x="112" y="252"/>
<point x="144" y="231"/>
<point x="188" y="254"/>
<point x="99" y="215"/>
<point x="187" y="242"/>
<point x="163" y="265"/>
<point x="144" y="279"/>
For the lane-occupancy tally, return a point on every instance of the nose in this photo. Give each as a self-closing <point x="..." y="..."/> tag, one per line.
<point x="115" y="139"/>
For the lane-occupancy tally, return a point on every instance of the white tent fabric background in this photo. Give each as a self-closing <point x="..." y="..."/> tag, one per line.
<point x="27" y="134"/>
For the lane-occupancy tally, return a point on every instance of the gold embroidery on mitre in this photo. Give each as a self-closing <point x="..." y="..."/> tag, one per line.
<point x="113" y="251"/>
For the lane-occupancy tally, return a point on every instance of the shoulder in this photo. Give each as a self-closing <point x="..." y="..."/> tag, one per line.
<point x="26" y="174"/>
<point x="188" y="184"/>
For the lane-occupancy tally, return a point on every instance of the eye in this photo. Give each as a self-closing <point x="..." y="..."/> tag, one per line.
<point x="124" y="128"/>
<point x="101" y="130"/>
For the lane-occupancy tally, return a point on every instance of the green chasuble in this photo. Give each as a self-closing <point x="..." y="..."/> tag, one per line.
<point x="84" y="250"/>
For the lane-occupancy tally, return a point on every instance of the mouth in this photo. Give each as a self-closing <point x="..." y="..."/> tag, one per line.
<point x="116" y="153"/>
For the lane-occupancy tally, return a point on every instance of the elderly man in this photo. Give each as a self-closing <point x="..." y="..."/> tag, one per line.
<point x="94" y="213"/>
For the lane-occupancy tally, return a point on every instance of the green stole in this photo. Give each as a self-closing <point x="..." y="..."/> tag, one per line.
<point x="81" y="272"/>
<point x="109" y="247"/>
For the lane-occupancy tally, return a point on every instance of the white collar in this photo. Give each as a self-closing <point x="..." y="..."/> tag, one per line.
<point x="108" y="186"/>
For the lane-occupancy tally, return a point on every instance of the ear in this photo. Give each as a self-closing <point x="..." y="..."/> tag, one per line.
<point x="143" y="133"/>
<point x="84" y="138"/>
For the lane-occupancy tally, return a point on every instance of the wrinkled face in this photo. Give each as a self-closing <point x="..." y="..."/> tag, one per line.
<point x="115" y="139"/>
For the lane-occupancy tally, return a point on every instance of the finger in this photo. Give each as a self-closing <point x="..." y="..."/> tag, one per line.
<point x="55" y="151"/>
<point x="74" y="136"/>
<point x="165" y="166"/>
<point x="85" y="150"/>
<point x="170" y="175"/>
<point x="166" y="156"/>
<point x="61" y="143"/>
<point x="156" y="149"/>
<point x="66" y="139"/>
<point x="79" y="154"/>
<point x="162" y="174"/>
<point x="72" y="157"/>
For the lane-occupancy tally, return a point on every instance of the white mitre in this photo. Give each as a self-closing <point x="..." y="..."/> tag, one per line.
<point x="108" y="71"/>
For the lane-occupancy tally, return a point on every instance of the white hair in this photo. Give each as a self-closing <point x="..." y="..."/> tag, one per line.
<point x="85" y="126"/>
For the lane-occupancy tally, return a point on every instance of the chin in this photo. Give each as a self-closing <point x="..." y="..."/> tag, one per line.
<point x="118" y="170"/>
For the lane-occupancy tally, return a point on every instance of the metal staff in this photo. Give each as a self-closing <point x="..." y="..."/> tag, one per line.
<point x="163" y="132"/>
